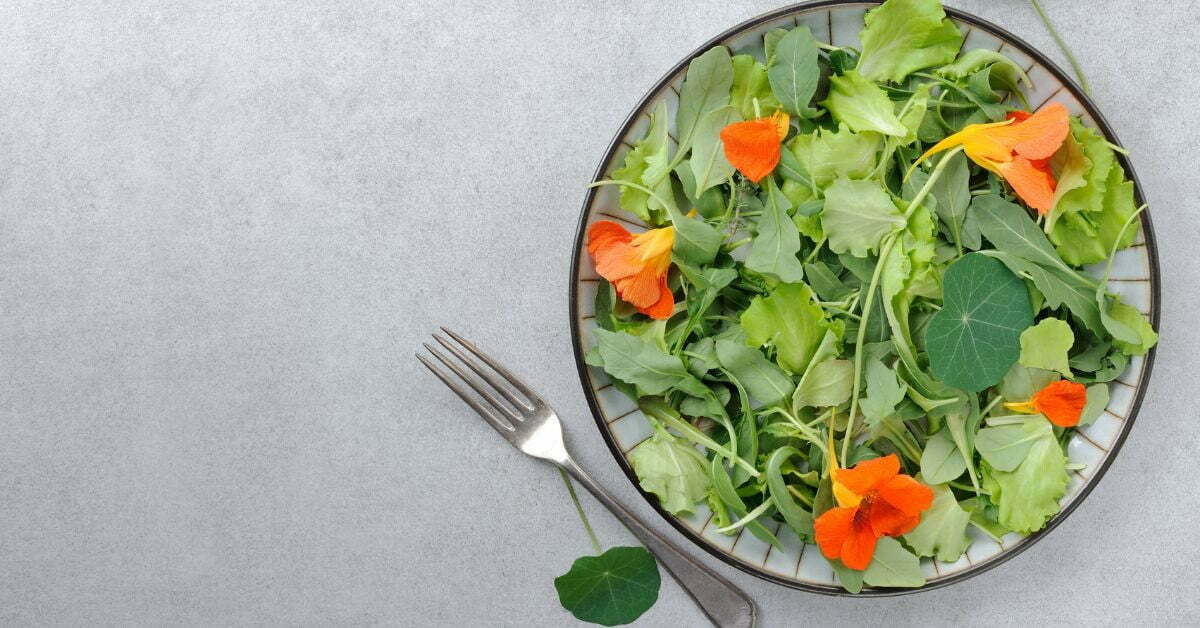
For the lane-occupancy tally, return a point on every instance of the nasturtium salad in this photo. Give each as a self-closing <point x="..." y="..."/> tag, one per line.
<point x="860" y="307"/>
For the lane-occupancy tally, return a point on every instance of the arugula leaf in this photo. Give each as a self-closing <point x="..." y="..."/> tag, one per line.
<point x="953" y="193"/>
<point x="774" y="249"/>
<point x="824" y="282"/>
<point x="793" y="72"/>
<point x="1046" y="345"/>
<point x="696" y="241"/>
<point x="893" y="566"/>
<point x="634" y="360"/>
<point x="706" y="88"/>
<point x="611" y="589"/>
<point x="798" y="518"/>
<point x="862" y="105"/>
<point x="1058" y="287"/>
<point x="672" y="470"/>
<point x="903" y="36"/>
<point x="884" y="391"/>
<point x="858" y="214"/>
<point x="763" y="380"/>
<point x="750" y="84"/>
<point x="708" y="163"/>
<point x="826" y="384"/>
<point x="1028" y="495"/>
<point x="1132" y="318"/>
<point x="975" y="337"/>
<point x="822" y="156"/>
<point x="941" y="461"/>
<point x="788" y="320"/>
<point x="943" y="528"/>
<point x="975" y="59"/>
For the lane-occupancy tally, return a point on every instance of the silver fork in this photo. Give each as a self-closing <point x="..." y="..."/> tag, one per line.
<point x="529" y="424"/>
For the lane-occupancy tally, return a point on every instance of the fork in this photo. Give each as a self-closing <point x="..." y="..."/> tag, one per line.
<point x="529" y="424"/>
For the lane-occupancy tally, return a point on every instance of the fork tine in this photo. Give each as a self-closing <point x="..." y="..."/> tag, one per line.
<point x="505" y="430"/>
<point x="483" y="391"/>
<point x="485" y="374"/>
<point x="508" y="376"/>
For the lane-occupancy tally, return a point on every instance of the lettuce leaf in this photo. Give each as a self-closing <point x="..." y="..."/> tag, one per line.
<point x="903" y="36"/>
<point x="1028" y="495"/>
<point x="825" y="155"/>
<point x="671" y="469"/>
<point x="862" y="105"/>
<point x="790" y="320"/>
<point x="1086" y="220"/>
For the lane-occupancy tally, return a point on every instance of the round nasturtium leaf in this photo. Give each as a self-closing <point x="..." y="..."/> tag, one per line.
<point x="611" y="589"/>
<point x="976" y="336"/>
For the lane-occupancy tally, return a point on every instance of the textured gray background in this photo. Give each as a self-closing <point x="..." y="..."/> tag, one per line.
<point x="225" y="227"/>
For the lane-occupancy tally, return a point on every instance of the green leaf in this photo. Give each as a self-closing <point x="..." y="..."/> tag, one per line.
<point x="788" y="320"/>
<point x="1021" y="382"/>
<point x="708" y="164"/>
<point x="893" y="566"/>
<point x="826" y="384"/>
<point x="797" y="517"/>
<point x="639" y="361"/>
<point x="1070" y="168"/>
<point x="763" y="380"/>
<point x="611" y="589"/>
<point x="862" y="105"/>
<point x="750" y="84"/>
<point x="1005" y="447"/>
<point x="1097" y="401"/>
<point x="943" y="528"/>
<point x="1058" y="287"/>
<point x="823" y="155"/>
<point x="696" y="241"/>
<point x="903" y="36"/>
<point x="850" y="579"/>
<point x="1010" y="229"/>
<point x="975" y="337"/>
<point x="1028" y="496"/>
<point x="941" y="461"/>
<point x="1046" y="345"/>
<point x="857" y="216"/>
<point x="771" y="41"/>
<point x="824" y="282"/>
<point x="672" y="470"/>
<point x="773" y="251"/>
<point x="1131" y="317"/>
<point x="884" y="391"/>
<point x="972" y="60"/>
<point x="646" y="163"/>
<point x="794" y="72"/>
<point x="706" y="88"/>
<point x="953" y="193"/>
<point x="914" y="113"/>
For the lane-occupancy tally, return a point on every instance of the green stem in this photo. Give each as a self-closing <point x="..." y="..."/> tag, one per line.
<point x="630" y="184"/>
<point x="579" y="509"/>
<point x="884" y="252"/>
<point x="1062" y="45"/>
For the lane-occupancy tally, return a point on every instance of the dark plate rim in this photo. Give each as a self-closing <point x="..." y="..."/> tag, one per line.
<point x="1005" y="554"/>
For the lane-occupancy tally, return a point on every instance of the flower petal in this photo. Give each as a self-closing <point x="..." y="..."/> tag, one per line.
<point x="832" y="529"/>
<point x="665" y="306"/>
<point x="1032" y="181"/>
<point x="1039" y="135"/>
<point x="1062" y="402"/>
<point x="906" y="494"/>
<point x="605" y="233"/>
<point x="868" y="474"/>
<point x="859" y="547"/>
<point x="752" y="147"/>
<point x="887" y="520"/>
<point x="641" y="288"/>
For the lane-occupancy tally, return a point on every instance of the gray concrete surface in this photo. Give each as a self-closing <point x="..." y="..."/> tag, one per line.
<point x="226" y="226"/>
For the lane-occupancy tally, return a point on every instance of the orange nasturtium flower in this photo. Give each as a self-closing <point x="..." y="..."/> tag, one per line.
<point x="1062" y="402"/>
<point x="636" y="265"/>
<point x="1018" y="150"/>
<point x="873" y="499"/>
<point x="753" y="146"/>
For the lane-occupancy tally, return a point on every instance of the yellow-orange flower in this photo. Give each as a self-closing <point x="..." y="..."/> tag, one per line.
<point x="752" y="146"/>
<point x="636" y="265"/>
<point x="1062" y="402"/>
<point x="874" y="500"/>
<point x="1018" y="150"/>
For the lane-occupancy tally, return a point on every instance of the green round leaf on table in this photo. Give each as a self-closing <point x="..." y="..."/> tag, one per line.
<point x="611" y="589"/>
<point x="975" y="337"/>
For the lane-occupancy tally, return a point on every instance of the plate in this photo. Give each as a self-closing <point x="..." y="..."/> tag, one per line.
<point x="1135" y="277"/>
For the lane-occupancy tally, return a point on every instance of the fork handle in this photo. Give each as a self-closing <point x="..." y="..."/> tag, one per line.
<point x="724" y="604"/>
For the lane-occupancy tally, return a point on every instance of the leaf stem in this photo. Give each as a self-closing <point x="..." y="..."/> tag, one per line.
<point x="1037" y="6"/>
<point x="579" y="509"/>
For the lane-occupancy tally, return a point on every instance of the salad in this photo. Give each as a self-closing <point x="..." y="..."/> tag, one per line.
<point x="860" y="307"/>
